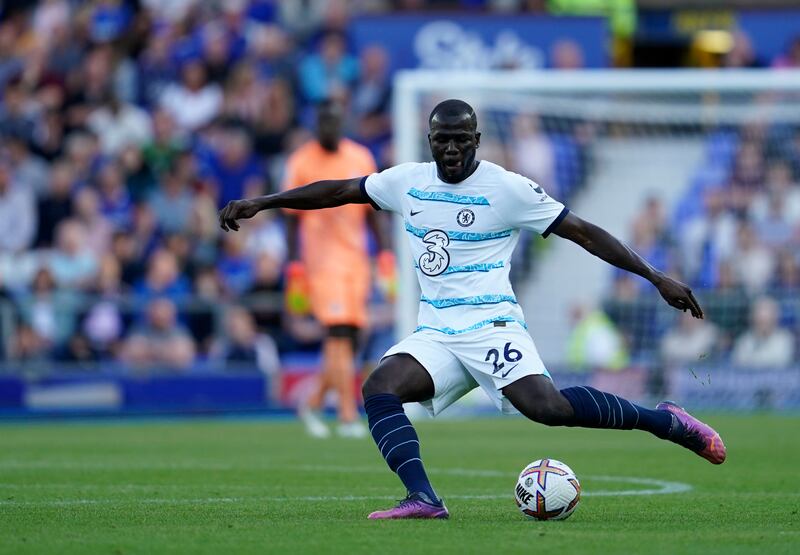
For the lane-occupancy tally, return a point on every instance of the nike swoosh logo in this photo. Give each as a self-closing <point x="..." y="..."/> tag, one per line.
<point x="415" y="213"/>
<point x="507" y="372"/>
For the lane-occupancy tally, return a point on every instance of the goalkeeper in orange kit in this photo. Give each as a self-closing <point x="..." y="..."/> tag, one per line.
<point x="329" y="272"/>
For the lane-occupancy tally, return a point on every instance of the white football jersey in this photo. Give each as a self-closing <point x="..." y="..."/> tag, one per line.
<point x="462" y="236"/>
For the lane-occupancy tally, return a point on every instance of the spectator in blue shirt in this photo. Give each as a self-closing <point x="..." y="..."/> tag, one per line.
<point x="328" y="71"/>
<point x="232" y="169"/>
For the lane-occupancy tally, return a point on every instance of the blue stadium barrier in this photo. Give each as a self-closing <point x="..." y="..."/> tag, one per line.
<point x="64" y="395"/>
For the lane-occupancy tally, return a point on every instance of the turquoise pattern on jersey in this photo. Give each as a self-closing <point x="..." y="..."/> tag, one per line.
<point x="473" y="327"/>
<point x="470" y="268"/>
<point x="461" y="235"/>
<point x="448" y="197"/>
<point x="461" y="301"/>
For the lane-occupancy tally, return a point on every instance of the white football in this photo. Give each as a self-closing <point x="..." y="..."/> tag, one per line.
<point x="547" y="489"/>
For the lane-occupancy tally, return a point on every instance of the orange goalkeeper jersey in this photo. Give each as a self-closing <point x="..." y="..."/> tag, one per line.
<point x="333" y="241"/>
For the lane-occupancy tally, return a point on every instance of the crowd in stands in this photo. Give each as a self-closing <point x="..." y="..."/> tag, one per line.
<point x="126" y="125"/>
<point x="735" y="239"/>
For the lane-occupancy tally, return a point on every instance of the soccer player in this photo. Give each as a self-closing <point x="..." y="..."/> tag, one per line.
<point x="462" y="218"/>
<point x="328" y="253"/>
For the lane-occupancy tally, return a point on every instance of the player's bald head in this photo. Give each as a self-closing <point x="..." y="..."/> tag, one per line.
<point x="453" y="112"/>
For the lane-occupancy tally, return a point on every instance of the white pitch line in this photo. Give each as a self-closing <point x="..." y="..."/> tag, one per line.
<point x="657" y="487"/>
<point x="662" y="487"/>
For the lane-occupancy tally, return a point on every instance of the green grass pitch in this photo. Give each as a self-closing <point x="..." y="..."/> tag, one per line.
<point x="259" y="486"/>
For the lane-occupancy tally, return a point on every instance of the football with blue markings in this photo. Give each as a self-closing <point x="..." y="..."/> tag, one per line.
<point x="547" y="489"/>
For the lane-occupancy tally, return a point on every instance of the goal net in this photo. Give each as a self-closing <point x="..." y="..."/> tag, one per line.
<point x="697" y="171"/>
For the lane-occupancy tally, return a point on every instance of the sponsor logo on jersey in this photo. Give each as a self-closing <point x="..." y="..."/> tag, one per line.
<point x="465" y="217"/>
<point x="436" y="259"/>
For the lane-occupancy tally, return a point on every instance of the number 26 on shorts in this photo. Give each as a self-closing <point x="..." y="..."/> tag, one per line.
<point x="509" y="354"/>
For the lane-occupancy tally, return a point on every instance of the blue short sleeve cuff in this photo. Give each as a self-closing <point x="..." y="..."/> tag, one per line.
<point x="555" y="222"/>
<point x="364" y="194"/>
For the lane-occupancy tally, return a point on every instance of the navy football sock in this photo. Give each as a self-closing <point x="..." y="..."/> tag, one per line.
<point x="398" y="442"/>
<point x="597" y="409"/>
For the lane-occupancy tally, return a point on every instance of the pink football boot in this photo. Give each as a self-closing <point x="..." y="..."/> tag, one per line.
<point x="416" y="505"/>
<point x="697" y="436"/>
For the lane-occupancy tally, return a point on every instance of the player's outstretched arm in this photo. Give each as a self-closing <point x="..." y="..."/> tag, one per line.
<point x="320" y="194"/>
<point x="602" y="244"/>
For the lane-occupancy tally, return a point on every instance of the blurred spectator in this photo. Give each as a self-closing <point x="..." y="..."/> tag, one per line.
<point x="64" y="49"/>
<point x="204" y="229"/>
<point x="48" y="16"/>
<point x="109" y="20"/>
<point x="243" y="347"/>
<point x="753" y="262"/>
<point x="708" y="238"/>
<point x="140" y="181"/>
<point x="194" y="102"/>
<point x="103" y="324"/>
<point x="172" y="203"/>
<point x="372" y="95"/>
<point x="156" y="65"/>
<point x="787" y="277"/>
<point x="654" y="216"/>
<point x="83" y="153"/>
<point x="779" y="199"/>
<point x="566" y="54"/>
<point x="267" y="273"/>
<point x="163" y="278"/>
<point x="30" y="171"/>
<point x="234" y="266"/>
<point x="266" y="235"/>
<point x="18" y="217"/>
<point x="272" y="49"/>
<point x="86" y="208"/>
<point x="691" y="341"/>
<point x="218" y="52"/>
<point x="115" y="202"/>
<point x="88" y="86"/>
<point x="726" y="303"/>
<point x="127" y="253"/>
<point x="56" y="205"/>
<point x="774" y="229"/>
<point x="329" y="71"/>
<point x="244" y="94"/>
<point x="532" y="152"/>
<point x="118" y="124"/>
<point x="301" y="18"/>
<point x="160" y="341"/>
<point x="16" y="112"/>
<point x="748" y="175"/>
<point x="634" y="317"/>
<point x="166" y="144"/>
<point x="73" y="265"/>
<point x="49" y="314"/>
<point x="594" y="342"/>
<point x="233" y="170"/>
<point x="791" y="59"/>
<point x="207" y="284"/>
<point x="11" y="62"/>
<point x="276" y="121"/>
<point x="764" y="345"/>
<point x="50" y="135"/>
